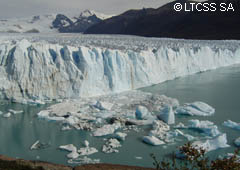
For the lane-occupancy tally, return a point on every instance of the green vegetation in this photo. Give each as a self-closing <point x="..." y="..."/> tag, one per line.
<point x="196" y="159"/>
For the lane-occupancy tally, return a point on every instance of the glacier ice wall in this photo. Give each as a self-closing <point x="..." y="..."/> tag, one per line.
<point x="43" y="71"/>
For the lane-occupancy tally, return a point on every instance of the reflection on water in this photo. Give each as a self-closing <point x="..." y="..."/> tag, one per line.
<point x="219" y="88"/>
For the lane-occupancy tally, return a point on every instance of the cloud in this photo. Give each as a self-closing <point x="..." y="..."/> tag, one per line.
<point x="11" y="8"/>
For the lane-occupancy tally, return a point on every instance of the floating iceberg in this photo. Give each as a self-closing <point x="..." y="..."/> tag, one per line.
<point x="111" y="146"/>
<point x="159" y="129"/>
<point x="237" y="142"/>
<point x="180" y="126"/>
<point x="152" y="140"/>
<point x="232" y="124"/>
<point x="70" y="148"/>
<point x="38" y="145"/>
<point x="180" y="133"/>
<point x="7" y="115"/>
<point x="15" y="111"/>
<point x="195" y="109"/>
<point x="212" y="144"/>
<point x="167" y="115"/>
<point x="120" y="136"/>
<point x="103" y="105"/>
<point x="106" y="130"/>
<point x="205" y="126"/>
<point x="143" y="113"/>
<point x="87" y="151"/>
<point x="1" y="112"/>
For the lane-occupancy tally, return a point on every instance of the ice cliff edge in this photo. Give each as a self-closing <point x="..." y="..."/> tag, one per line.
<point x="45" y="71"/>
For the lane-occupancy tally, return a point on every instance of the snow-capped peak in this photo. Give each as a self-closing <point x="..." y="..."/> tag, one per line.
<point x="88" y="13"/>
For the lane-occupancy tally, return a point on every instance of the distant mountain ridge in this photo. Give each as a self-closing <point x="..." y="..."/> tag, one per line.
<point x="52" y="23"/>
<point x="166" y="22"/>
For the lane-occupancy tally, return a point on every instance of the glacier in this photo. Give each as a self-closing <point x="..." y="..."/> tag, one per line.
<point x="47" y="67"/>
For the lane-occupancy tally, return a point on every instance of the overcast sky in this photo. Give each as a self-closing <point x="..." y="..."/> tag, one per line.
<point x="21" y="8"/>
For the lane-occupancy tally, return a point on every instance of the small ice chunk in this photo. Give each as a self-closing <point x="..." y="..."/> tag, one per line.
<point x="120" y="136"/>
<point x="84" y="160"/>
<point x="71" y="148"/>
<point x="111" y="145"/>
<point x="15" y="111"/>
<point x="195" y="109"/>
<point x="87" y="151"/>
<point x="189" y="137"/>
<point x="212" y="144"/>
<point x="7" y="115"/>
<point x="39" y="102"/>
<point x="167" y="115"/>
<point x="138" y="157"/>
<point x="1" y="112"/>
<point x="38" y="145"/>
<point x="66" y="128"/>
<point x="180" y="126"/>
<point x="152" y="140"/>
<point x="35" y="145"/>
<point x="106" y="129"/>
<point x="86" y="143"/>
<point x="237" y="142"/>
<point x="205" y="126"/>
<point x="103" y="105"/>
<point x="159" y="129"/>
<point x="73" y="155"/>
<point x="44" y="114"/>
<point x="71" y="120"/>
<point x="232" y="124"/>
<point x="142" y="113"/>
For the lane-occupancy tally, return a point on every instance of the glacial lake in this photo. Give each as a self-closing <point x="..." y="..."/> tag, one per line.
<point x="219" y="88"/>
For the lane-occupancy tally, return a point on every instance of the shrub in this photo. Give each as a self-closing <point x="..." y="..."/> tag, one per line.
<point x="196" y="159"/>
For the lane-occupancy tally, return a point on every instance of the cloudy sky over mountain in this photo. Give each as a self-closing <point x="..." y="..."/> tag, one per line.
<point x="20" y="8"/>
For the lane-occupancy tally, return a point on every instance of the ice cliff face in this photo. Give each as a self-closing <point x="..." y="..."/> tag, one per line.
<point x="42" y="70"/>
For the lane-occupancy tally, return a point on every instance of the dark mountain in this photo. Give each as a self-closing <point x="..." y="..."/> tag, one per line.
<point x="166" y="22"/>
<point x="77" y="24"/>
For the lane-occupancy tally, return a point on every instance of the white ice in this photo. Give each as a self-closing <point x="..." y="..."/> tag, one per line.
<point x="120" y="136"/>
<point x="237" y="142"/>
<point x="205" y="126"/>
<point x="167" y="115"/>
<point x="195" y="109"/>
<point x="34" y="146"/>
<point x="15" y="111"/>
<point x="142" y="113"/>
<point x="212" y="144"/>
<point x="106" y="130"/>
<point x="72" y="149"/>
<point x="7" y="115"/>
<point x="93" y="65"/>
<point x="159" y="129"/>
<point x="111" y="146"/>
<point x="232" y="124"/>
<point x="152" y="140"/>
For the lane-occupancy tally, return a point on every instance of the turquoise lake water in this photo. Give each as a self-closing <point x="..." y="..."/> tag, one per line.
<point x="219" y="88"/>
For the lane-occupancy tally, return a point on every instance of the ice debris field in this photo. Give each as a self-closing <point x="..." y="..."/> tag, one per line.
<point x="112" y="117"/>
<point x="94" y="80"/>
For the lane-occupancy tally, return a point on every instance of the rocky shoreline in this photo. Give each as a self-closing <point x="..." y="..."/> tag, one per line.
<point x="7" y="163"/>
